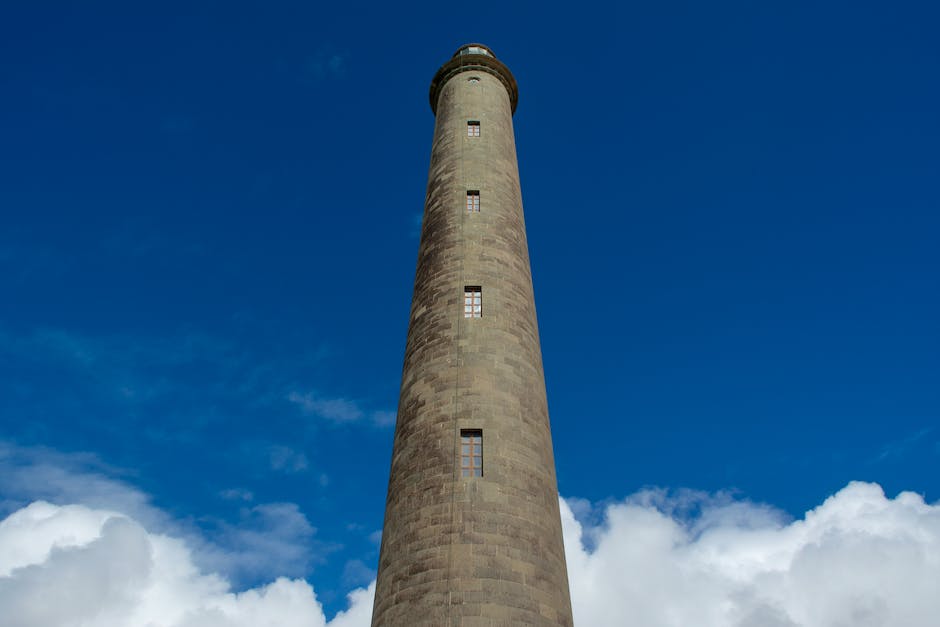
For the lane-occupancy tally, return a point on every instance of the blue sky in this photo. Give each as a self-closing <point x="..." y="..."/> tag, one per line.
<point x="209" y="217"/>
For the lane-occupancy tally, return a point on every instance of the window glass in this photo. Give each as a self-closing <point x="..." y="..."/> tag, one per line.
<point x="473" y="301"/>
<point x="473" y="201"/>
<point x="471" y="457"/>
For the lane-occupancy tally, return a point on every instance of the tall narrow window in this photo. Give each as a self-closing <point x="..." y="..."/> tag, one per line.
<point x="473" y="200"/>
<point x="473" y="128"/>
<point x="471" y="453"/>
<point x="473" y="301"/>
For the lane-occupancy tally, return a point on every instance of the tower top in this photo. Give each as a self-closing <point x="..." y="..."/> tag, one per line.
<point x="474" y="57"/>
<point x="475" y="49"/>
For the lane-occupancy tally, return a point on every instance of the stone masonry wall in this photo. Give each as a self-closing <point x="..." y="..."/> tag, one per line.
<point x="472" y="551"/>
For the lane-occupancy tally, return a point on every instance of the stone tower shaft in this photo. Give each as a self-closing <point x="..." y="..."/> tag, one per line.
<point x="472" y="539"/>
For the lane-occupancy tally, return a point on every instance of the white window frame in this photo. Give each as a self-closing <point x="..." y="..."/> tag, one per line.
<point x="471" y="452"/>
<point x="473" y="201"/>
<point x="472" y="301"/>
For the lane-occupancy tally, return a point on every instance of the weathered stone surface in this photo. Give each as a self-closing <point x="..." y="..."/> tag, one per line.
<point x="472" y="550"/>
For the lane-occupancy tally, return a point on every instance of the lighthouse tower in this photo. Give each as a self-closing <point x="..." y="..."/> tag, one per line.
<point x="472" y="532"/>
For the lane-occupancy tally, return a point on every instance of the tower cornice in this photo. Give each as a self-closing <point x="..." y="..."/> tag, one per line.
<point x="474" y="57"/>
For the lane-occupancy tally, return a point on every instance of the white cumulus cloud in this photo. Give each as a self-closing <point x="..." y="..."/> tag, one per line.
<point x="858" y="560"/>
<point x="656" y="559"/>
<point x="266" y="540"/>
<point x="65" y="566"/>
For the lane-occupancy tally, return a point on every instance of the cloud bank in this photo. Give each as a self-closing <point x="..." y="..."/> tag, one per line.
<point x="653" y="560"/>
<point x="858" y="560"/>
<point x="72" y="565"/>
<point x="265" y="540"/>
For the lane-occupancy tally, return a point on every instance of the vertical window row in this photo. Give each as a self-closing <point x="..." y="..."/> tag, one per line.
<point x="473" y="201"/>
<point x="473" y="195"/>
<point x="471" y="453"/>
<point x="471" y="440"/>
<point x="472" y="301"/>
